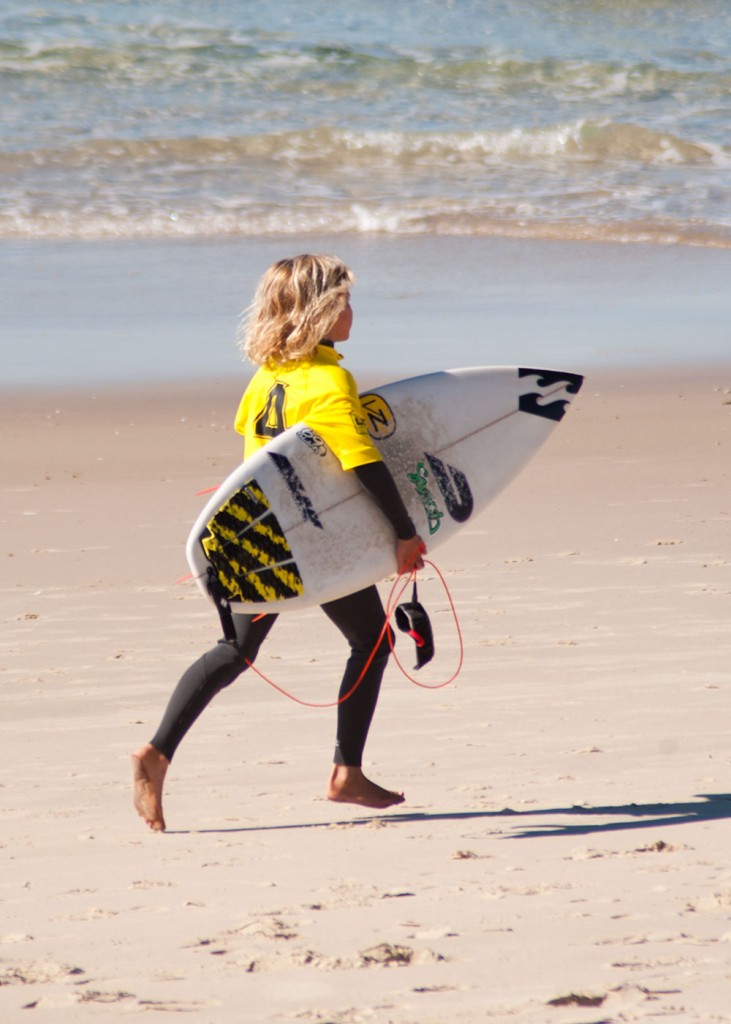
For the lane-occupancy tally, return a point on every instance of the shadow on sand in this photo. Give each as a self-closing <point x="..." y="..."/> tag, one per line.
<point x="583" y="820"/>
<point x="709" y="807"/>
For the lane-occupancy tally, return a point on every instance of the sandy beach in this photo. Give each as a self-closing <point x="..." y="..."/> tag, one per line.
<point x="563" y="852"/>
<point x="534" y="185"/>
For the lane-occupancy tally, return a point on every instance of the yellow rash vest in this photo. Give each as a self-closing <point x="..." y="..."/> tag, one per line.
<point x="316" y="391"/>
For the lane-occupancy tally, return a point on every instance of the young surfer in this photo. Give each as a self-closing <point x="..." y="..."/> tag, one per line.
<point x="301" y="310"/>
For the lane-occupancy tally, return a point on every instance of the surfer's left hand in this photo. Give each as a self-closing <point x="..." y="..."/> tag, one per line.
<point x="408" y="554"/>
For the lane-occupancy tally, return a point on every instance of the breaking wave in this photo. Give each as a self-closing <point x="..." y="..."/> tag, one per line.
<point x="588" y="179"/>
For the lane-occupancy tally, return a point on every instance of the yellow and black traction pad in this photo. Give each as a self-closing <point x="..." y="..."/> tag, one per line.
<point x="248" y="552"/>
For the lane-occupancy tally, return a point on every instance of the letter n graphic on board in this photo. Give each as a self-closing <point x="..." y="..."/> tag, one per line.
<point x="381" y="420"/>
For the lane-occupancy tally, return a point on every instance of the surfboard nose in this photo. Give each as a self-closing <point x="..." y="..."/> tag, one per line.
<point x="548" y="395"/>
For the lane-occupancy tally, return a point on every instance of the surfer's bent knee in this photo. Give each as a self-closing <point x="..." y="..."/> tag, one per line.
<point x="233" y="645"/>
<point x="384" y="645"/>
<point x="224" y="663"/>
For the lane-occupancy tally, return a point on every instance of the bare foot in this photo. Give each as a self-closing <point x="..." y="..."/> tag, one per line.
<point x="148" y="775"/>
<point x="348" y="785"/>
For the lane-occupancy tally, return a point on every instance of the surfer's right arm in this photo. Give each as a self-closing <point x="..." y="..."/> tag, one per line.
<point x="375" y="478"/>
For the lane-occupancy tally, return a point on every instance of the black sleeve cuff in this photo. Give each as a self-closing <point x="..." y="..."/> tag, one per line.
<point x="376" y="479"/>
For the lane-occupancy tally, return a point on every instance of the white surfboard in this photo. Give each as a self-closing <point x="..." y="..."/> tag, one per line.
<point x="290" y="528"/>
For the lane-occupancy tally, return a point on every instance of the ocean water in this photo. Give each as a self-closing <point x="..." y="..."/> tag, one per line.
<point x="604" y="120"/>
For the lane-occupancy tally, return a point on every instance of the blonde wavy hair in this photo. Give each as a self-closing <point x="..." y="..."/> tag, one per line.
<point x="296" y="303"/>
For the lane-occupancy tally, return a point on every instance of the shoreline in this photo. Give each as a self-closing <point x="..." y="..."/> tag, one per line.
<point x="222" y="395"/>
<point x="91" y="314"/>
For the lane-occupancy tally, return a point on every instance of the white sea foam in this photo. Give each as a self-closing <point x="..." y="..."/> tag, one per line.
<point x="477" y="117"/>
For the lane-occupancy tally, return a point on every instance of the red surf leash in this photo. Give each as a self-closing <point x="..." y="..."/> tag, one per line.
<point x="425" y="640"/>
<point x="397" y="591"/>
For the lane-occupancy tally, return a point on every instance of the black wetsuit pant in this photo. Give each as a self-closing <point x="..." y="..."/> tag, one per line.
<point x="360" y="618"/>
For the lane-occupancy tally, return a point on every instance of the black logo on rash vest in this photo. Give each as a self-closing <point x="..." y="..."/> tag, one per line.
<point x="270" y="422"/>
<point x="296" y="488"/>
<point x="547" y="402"/>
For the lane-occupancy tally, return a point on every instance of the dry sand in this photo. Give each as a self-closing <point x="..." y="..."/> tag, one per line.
<point x="564" y="854"/>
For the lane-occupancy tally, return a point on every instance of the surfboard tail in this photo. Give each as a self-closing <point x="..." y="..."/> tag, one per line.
<point x="248" y="551"/>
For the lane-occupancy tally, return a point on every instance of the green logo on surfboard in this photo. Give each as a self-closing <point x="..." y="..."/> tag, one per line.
<point x="419" y="479"/>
